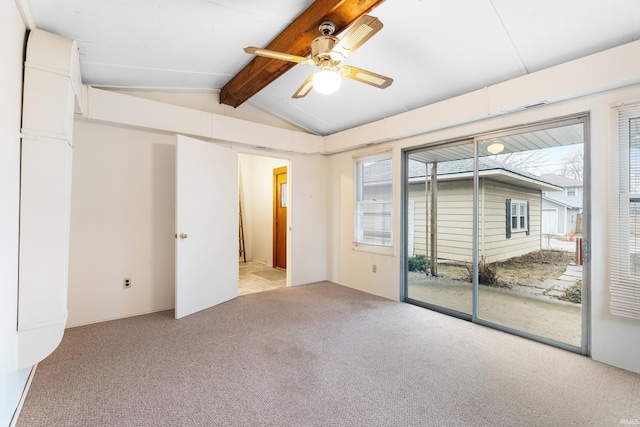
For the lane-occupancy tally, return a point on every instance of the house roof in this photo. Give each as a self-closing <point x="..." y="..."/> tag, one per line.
<point x="462" y="169"/>
<point x="560" y="203"/>
<point x="488" y="167"/>
<point x="560" y="197"/>
<point x="561" y="180"/>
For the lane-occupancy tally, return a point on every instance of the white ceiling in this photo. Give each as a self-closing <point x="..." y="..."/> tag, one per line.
<point x="433" y="49"/>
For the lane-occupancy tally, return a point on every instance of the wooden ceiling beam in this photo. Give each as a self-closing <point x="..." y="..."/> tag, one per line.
<point x="295" y="39"/>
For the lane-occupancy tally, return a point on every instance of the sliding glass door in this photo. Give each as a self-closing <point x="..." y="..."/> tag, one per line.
<point x="494" y="227"/>
<point x="439" y="191"/>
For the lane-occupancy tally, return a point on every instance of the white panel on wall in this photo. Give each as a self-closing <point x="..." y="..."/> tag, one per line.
<point x="50" y="115"/>
<point x="45" y="190"/>
<point x="44" y="209"/>
<point x="130" y="110"/>
<point x="52" y="52"/>
<point x="44" y="233"/>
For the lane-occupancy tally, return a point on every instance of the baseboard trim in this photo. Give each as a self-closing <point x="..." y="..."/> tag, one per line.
<point x="108" y="319"/>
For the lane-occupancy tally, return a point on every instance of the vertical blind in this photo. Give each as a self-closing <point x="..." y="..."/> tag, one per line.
<point x="624" y="205"/>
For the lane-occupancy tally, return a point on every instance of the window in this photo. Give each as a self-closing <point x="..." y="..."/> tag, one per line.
<point x="517" y="216"/>
<point x="571" y="191"/>
<point x="373" y="194"/>
<point x="625" y="216"/>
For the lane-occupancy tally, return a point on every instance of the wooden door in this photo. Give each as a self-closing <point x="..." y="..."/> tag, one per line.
<point x="206" y="225"/>
<point x="280" y="202"/>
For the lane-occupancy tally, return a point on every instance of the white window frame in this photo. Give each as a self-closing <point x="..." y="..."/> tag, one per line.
<point x="521" y="216"/>
<point x="369" y="210"/>
<point x="624" y="241"/>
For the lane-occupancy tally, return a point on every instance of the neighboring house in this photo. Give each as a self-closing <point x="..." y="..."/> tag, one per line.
<point x="562" y="209"/>
<point x="510" y="210"/>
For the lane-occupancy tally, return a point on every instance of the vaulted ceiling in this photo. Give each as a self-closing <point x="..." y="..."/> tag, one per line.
<point x="433" y="49"/>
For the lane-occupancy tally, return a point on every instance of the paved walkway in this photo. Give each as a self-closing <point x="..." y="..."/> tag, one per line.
<point x="552" y="288"/>
<point x="557" y="287"/>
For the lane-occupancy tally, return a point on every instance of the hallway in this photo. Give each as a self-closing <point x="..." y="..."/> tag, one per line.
<point x="258" y="277"/>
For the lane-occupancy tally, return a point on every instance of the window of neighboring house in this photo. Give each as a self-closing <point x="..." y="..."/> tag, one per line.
<point x="624" y="251"/>
<point x="373" y="201"/>
<point x="571" y="191"/>
<point x="517" y="216"/>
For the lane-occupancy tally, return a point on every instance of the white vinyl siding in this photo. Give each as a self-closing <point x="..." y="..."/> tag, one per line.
<point x="455" y="220"/>
<point x="494" y="245"/>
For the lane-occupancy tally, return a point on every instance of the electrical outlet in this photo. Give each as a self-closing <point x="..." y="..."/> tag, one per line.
<point x="126" y="282"/>
<point x="374" y="268"/>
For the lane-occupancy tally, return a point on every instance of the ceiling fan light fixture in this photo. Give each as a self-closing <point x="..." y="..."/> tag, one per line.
<point x="327" y="51"/>
<point x="326" y="81"/>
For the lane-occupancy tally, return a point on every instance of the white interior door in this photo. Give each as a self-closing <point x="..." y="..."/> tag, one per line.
<point x="206" y="225"/>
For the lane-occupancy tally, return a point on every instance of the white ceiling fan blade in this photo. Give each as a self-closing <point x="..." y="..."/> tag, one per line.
<point x="362" y="30"/>
<point x="364" y="76"/>
<point x="277" y="55"/>
<point x="304" y="89"/>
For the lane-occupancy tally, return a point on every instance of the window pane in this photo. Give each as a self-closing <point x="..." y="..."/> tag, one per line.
<point x="283" y="195"/>
<point x="507" y="273"/>
<point x="373" y="200"/>
<point x="441" y="237"/>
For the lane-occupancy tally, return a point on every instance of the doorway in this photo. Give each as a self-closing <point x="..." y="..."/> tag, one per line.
<point x="258" y="197"/>
<point x="480" y="242"/>
<point x="280" y="217"/>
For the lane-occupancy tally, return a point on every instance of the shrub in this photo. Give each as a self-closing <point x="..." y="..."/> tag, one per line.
<point x="574" y="293"/>
<point x="418" y="263"/>
<point x="487" y="274"/>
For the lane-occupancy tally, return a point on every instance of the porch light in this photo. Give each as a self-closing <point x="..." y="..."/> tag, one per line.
<point x="326" y="81"/>
<point x="495" y="148"/>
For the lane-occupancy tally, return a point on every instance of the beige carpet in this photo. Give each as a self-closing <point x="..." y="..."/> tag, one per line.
<point x="319" y="355"/>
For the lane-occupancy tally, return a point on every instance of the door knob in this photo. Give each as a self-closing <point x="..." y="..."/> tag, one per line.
<point x="183" y="235"/>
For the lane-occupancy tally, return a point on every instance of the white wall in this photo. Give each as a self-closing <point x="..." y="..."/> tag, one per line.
<point x="347" y="265"/>
<point x="123" y="217"/>
<point x="256" y="178"/>
<point x="12" y="34"/>
<point x="122" y="222"/>
<point x="210" y="102"/>
<point x="307" y="260"/>
<point x="614" y="339"/>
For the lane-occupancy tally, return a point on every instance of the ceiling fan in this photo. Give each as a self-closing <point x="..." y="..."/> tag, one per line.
<point x="327" y="51"/>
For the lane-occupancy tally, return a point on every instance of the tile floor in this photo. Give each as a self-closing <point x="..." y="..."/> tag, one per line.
<point x="258" y="277"/>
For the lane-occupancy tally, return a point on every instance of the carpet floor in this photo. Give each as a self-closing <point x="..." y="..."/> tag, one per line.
<point x="319" y="355"/>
